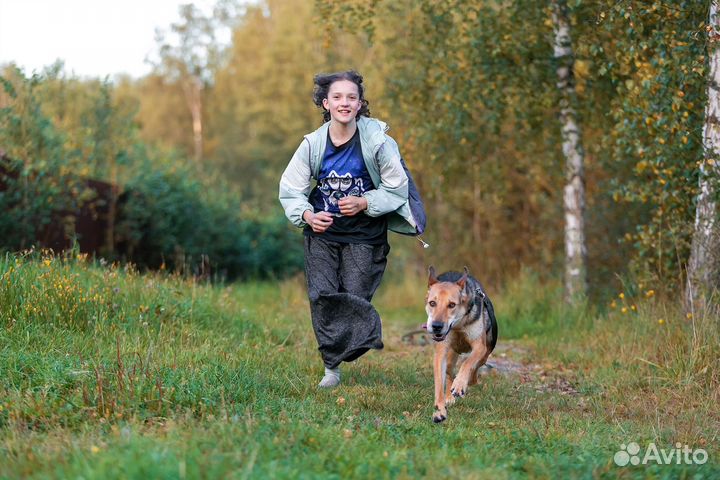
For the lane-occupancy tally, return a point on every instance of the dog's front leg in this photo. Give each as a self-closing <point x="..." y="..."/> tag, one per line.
<point x="439" y="371"/>
<point x="452" y="357"/>
<point x="477" y="357"/>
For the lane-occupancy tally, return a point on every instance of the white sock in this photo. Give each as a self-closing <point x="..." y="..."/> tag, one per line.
<point x="331" y="378"/>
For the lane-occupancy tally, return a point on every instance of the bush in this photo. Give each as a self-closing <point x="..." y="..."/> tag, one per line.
<point x="166" y="217"/>
<point x="169" y="220"/>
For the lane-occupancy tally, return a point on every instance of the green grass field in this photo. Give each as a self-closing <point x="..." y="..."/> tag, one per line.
<point x="106" y="373"/>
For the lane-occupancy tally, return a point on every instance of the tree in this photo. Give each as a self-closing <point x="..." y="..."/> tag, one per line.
<point x="704" y="263"/>
<point x="191" y="63"/>
<point x="261" y="100"/>
<point x="574" y="191"/>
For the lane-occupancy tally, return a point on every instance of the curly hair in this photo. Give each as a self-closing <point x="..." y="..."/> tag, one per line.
<point x="323" y="81"/>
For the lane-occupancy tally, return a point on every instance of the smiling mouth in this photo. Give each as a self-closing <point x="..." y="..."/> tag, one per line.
<point x="438" y="337"/>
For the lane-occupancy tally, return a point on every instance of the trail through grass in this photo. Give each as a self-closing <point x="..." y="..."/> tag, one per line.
<point x="106" y="373"/>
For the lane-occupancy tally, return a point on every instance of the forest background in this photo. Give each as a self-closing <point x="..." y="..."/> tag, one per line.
<point x="469" y="90"/>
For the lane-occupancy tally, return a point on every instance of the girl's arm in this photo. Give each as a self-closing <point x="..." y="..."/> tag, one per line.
<point x="392" y="192"/>
<point x="295" y="185"/>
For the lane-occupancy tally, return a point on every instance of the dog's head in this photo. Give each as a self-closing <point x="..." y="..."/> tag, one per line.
<point x="446" y="303"/>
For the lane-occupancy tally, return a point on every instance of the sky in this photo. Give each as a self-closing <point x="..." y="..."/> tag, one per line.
<point x="94" y="38"/>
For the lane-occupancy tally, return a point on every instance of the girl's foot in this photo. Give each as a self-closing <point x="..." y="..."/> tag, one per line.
<point x="331" y="378"/>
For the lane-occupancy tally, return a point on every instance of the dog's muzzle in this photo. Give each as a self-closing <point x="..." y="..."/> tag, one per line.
<point x="436" y="331"/>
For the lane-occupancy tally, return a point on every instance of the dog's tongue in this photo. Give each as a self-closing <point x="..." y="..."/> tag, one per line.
<point x="424" y="326"/>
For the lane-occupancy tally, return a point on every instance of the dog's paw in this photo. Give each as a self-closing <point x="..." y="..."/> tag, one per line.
<point x="440" y="415"/>
<point x="459" y="388"/>
<point x="449" y="400"/>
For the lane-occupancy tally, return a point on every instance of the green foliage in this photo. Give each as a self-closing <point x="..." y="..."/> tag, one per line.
<point x="35" y="168"/>
<point x="653" y="53"/>
<point x="170" y="219"/>
<point x="167" y="215"/>
<point x="469" y="88"/>
<point x="475" y="85"/>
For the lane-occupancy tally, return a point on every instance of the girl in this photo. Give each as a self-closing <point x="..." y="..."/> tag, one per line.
<point x="361" y="191"/>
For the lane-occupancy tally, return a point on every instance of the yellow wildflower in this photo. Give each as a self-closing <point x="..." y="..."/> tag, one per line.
<point x="661" y="321"/>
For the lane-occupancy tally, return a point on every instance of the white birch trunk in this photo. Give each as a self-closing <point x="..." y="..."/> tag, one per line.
<point x="703" y="266"/>
<point x="193" y="95"/>
<point x="574" y="191"/>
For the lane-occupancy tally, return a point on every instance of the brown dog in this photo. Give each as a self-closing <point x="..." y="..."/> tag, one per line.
<point x="461" y="319"/>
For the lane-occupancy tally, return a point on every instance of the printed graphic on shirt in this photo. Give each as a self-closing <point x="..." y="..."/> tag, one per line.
<point x="335" y="186"/>
<point x="342" y="174"/>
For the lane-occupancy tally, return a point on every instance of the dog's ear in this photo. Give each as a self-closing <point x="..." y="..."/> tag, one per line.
<point x="463" y="279"/>
<point x="432" y="279"/>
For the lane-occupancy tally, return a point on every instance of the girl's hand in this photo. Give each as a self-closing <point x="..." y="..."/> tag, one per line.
<point x="319" y="222"/>
<point x="352" y="205"/>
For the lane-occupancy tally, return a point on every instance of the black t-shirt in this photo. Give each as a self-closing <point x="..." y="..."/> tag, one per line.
<point x="342" y="174"/>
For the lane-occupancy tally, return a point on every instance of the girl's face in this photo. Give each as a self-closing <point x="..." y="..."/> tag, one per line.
<point x="343" y="102"/>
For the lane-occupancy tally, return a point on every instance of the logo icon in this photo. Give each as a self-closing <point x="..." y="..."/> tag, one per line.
<point x="627" y="454"/>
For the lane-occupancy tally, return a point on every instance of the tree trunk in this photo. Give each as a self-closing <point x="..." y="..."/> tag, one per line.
<point x="193" y="95"/>
<point x="704" y="263"/>
<point x="112" y="208"/>
<point x="574" y="192"/>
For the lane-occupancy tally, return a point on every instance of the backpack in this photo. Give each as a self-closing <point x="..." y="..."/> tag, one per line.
<point x="417" y="208"/>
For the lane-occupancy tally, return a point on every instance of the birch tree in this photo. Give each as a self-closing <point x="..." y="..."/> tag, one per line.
<point x="574" y="191"/>
<point x="190" y="61"/>
<point x="703" y="267"/>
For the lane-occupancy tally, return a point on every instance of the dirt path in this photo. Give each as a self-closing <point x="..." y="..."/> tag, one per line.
<point x="505" y="360"/>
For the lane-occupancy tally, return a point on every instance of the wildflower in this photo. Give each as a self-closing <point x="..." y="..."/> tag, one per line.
<point x="688" y="315"/>
<point x="94" y="449"/>
<point x="621" y="295"/>
<point x="650" y="293"/>
<point x="661" y="321"/>
<point x="613" y="304"/>
<point x="633" y="307"/>
<point x="624" y="310"/>
<point x="47" y="262"/>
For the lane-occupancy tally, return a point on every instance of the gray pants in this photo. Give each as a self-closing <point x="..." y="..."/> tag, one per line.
<point x="342" y="279"/>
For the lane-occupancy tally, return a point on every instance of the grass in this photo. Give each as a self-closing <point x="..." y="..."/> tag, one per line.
<point x="107" y="373"/>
